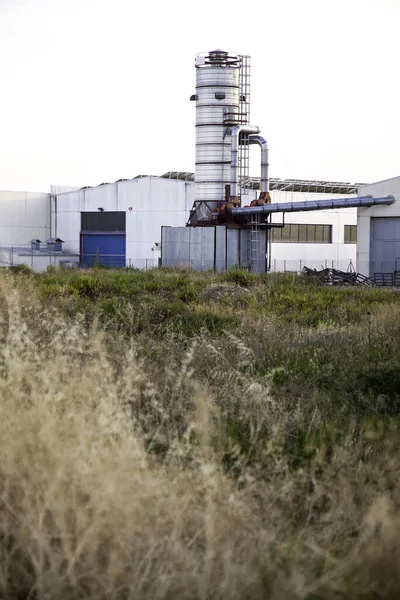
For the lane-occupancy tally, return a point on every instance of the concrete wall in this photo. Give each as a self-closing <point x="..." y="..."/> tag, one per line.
<point x="153" y="202"/>
<point x="388" y="187"/>
<point x="24" y="215"/>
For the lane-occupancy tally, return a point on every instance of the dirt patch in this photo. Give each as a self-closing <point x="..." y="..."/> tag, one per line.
<point x="215" y="292"/>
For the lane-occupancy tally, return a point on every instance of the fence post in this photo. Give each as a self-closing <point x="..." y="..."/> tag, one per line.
<point x="300" y="266"/>
<point x="12" y="256"/>
<point x="284" y="266"/>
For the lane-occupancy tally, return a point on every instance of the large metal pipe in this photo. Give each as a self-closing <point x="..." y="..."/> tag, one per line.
<point x="235" y="133"/>
<point x="313" y="205"/>
<point x="264" y="182"/>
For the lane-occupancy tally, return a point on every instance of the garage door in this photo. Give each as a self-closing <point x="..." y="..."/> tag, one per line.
<point x="385" y="245"/>
<point x="108" y="249"/>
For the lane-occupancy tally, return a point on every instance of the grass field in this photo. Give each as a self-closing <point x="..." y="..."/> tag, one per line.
<point x="175" y="435"/>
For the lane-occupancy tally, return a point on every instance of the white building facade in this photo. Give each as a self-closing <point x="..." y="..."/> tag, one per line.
<point x="316" y="239"/>
<point x="126" y="217"/>
<point x="378" y="234"/>
<point x="148" y="203"/>
<point x="152" y="202"/>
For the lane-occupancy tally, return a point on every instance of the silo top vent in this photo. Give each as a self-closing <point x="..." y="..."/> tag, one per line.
<point x="217" y="58"/>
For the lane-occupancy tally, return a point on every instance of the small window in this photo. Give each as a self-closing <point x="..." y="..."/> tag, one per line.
<point x="311" y="233"/>
<point x="296" y="233"/>
<point x="220" y="95"/>
<point x="302" y="233"/>
<point x="276" y="234"/>
<point x="327" y="234"/>
<point x="286" y="233"/>
<point x="319" y="234"/>
<point x="350" y="234"/>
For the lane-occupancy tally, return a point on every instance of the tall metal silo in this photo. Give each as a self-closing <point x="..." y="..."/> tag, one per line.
<point x="222" y="102"/>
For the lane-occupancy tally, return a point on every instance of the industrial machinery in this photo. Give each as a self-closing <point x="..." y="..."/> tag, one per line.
<point x="229" y="224"/>
<point x="223" y="138"/>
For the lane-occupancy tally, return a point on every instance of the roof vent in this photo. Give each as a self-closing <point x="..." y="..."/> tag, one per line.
<point x="35" y="244"/>
<point x="54" y="244"/>
<point x="218" y="56"/>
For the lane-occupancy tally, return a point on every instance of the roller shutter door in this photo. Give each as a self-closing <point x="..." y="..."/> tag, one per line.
<point x="108" y="249"/>
<point x="385" y="245"/>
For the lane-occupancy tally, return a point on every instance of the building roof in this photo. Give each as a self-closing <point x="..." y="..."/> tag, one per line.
<point x="285" y="185"/>
<point x="275" y="183"/>
<point x="27" y="251"/>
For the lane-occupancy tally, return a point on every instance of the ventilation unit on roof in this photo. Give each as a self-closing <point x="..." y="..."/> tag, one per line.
<point x="35" y="244"/>
<point x="54" y="244"/>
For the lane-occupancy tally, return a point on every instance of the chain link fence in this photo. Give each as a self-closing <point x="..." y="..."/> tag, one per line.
<point x="12" y="256"/>
<point x="37" y="260"/>
<point x="296" y="266"/>
<point x="40" y="260"/>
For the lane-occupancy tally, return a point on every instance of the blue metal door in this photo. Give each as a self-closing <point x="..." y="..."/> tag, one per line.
<point x="108" y="249"/>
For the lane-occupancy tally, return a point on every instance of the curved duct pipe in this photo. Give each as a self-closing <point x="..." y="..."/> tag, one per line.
<point x="264" y="182"/>
<point x="285" y="207"/>
<point x="236" y="131"/>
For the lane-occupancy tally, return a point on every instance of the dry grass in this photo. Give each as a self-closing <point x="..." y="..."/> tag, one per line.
<point x="115" y="482"/>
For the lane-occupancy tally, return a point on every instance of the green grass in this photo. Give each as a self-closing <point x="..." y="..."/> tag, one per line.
<point x="263" y="410"/>
<point x="293" y="299"/>
<point x="313" y="344"/>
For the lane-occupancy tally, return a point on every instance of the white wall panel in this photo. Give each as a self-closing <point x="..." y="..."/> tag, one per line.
<point x="103" y="196"/>
<point x="24" y="215"/>
<point x="388" y="187"/>
<point x="71" y="202"/>
<point x="68" y="229"/>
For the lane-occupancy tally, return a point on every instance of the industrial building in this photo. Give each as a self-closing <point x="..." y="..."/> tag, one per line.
<point x="315" y="239"/>
<point x="229" y="225"/>
<point x="87" y="222"/>
<point x="217" y="217"/>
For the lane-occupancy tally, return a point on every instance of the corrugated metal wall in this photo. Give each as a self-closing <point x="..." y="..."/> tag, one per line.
<point x="207" y="248"/>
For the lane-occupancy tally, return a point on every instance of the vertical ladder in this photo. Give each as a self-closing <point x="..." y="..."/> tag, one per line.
<point x="254" y="244"/>
<point x="244" y="118"/>
<point x="244" y="83"/>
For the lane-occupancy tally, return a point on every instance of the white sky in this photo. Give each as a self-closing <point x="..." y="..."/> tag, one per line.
<point x="94" y="90"/>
